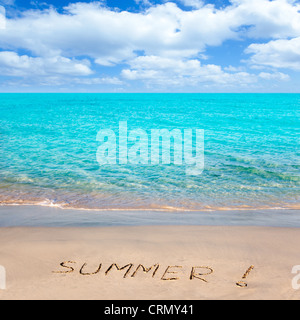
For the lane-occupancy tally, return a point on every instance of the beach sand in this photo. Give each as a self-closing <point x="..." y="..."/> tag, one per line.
<point x="216" y="258"/>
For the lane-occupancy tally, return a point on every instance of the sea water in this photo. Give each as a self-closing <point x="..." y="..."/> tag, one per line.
<point x="48" y="151"/>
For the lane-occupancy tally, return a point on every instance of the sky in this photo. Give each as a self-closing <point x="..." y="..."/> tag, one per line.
<point x="150" y="46"/>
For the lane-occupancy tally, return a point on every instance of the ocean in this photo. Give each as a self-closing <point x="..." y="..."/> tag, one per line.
<point x="48" y="148"/>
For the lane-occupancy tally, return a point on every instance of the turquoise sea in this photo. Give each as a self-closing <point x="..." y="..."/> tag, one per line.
<point x="48" y="151"/>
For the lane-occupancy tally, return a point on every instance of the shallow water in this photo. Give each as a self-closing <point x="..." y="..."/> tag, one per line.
<point x="48" y="151"/>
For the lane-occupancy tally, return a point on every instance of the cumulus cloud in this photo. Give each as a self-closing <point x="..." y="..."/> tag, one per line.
<point x="96" y="81"/>
<point x="143" y="2"/>
<point x="7" y="2"/>
<point x="196" y="4"/>
<point x="267" y="19"/>
<point x="162" y="71"/>
<point x="161" y="42"/>
<point x="12" y="64"/>
<point x="277" y="53"/>
<point x="110" y="36"/>
<point x="274" y="76"/>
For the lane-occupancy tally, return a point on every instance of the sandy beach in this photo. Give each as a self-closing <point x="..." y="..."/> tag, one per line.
<point x="149" y="150"/>
<point x="163" y="263"/>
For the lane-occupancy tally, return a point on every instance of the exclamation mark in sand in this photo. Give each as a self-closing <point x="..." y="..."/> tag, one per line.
<point x="242" y="283"/>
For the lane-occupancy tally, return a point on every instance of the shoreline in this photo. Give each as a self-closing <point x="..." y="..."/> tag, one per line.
<point x="195" y="263"/>
<point x="36" y="216"/>
<point x="50" y="204"/>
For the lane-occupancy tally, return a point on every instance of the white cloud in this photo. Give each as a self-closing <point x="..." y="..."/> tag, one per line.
<point x="161" y="43"/>
<point x="7" y="2"/>
<point x="277" y="54"/>
<point x="267" y="19"/>
<point x="235" y="69"/>
<point x="143" y="2"/>
<point x="12" y="64"/>
<point x="2" y="18"/>
<point x="97" y="81"/>
<point x="274" y="76"/>
<point x="160" y="71"/>
<point x="90" y="29"/>
<point x="196" y="4"/>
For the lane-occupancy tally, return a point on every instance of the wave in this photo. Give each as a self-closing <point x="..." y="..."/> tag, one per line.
<point x="163" y="208"/>
<point x="262" y="172"/>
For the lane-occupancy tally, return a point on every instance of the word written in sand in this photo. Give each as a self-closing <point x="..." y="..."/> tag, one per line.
<point x="130" y="270"/>
<point x="243" y="284"/>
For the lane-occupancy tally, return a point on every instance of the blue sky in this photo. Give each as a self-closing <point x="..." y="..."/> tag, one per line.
<point x="150" y="46"/>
